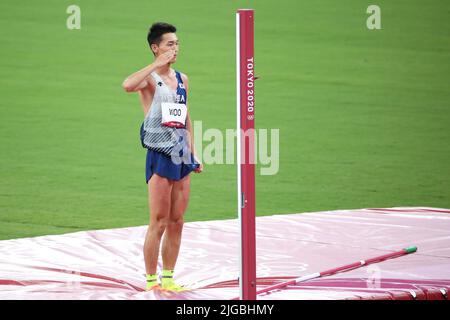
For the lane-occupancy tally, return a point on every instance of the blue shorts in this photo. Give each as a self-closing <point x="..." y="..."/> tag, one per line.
<point x="163" y="165"/>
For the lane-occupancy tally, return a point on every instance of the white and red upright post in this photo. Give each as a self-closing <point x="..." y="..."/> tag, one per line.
<point x="246" y="150"/>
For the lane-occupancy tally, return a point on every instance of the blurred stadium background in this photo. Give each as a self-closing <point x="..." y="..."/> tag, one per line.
<point x="363" y="115"/>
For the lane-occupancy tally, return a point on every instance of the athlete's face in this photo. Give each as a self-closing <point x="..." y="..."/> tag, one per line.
<point x="168" y="42"/>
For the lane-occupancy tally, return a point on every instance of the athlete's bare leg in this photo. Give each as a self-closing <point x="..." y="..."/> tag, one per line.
<point x="172" y="235"/>
<point x="159" y="195"/>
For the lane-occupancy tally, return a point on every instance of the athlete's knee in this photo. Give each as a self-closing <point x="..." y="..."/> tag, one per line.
<point x="176" y="223"/>
<point x="159" y="225"/>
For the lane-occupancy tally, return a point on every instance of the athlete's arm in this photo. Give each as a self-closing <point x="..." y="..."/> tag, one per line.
<point x="139" y="80"/>
<point x="188" y="118"/>
<point x="191" y="134"/>
<point x="189" y="126"/>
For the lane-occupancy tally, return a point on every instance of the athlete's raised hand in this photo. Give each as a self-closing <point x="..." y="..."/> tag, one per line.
<point x="164" y="58"/>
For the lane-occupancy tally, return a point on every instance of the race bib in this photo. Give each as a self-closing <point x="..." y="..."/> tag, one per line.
<point x="173" y="114"/>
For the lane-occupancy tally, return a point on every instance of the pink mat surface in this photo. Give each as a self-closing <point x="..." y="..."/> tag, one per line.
<point x="108" y="264"/>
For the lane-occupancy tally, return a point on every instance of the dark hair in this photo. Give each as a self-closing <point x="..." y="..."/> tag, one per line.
<point x="157" y="30"/>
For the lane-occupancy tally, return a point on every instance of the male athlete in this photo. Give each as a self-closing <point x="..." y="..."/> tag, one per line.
<point x="167" y="134"/>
